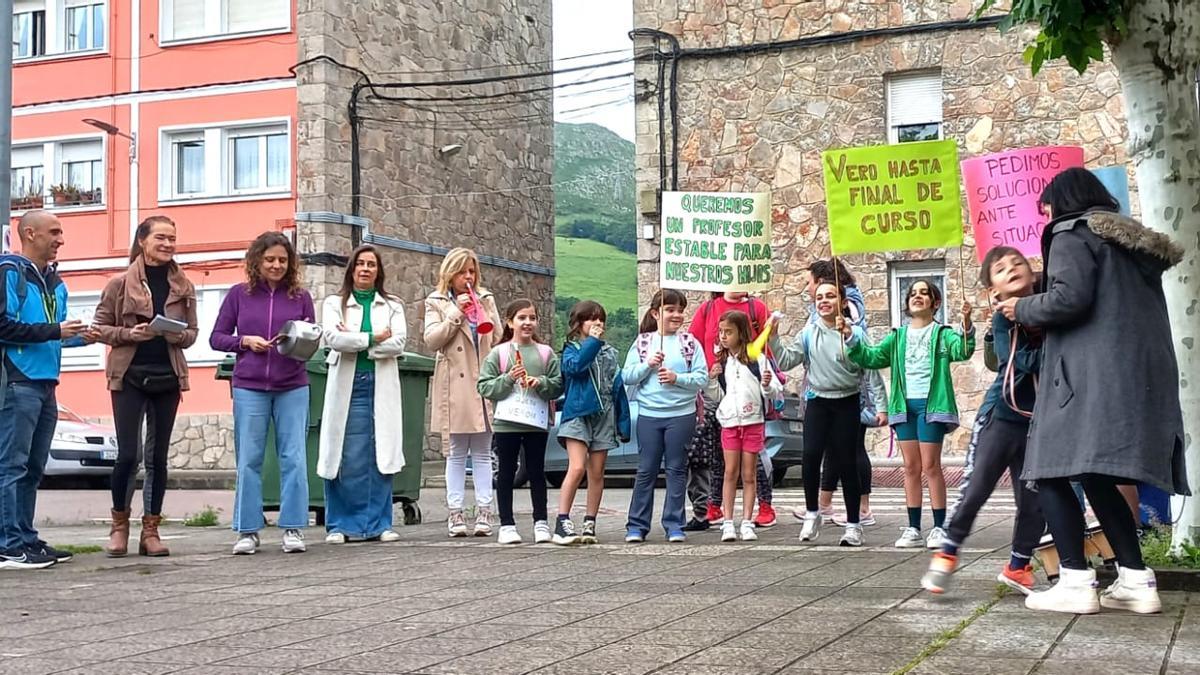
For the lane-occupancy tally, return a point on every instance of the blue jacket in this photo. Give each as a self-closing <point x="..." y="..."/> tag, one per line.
<point x="1027" y="363"/>
<point x="583" y="393"/>
<point x="32" y="304"/>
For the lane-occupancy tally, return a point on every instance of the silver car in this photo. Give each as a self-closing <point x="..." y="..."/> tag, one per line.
<point x="81" y="448"/>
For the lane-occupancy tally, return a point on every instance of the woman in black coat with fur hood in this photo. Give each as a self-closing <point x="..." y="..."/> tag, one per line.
<point x="1108" y="409"/>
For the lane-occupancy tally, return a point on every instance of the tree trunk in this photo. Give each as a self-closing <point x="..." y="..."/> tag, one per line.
<point x="1158" y="61"/>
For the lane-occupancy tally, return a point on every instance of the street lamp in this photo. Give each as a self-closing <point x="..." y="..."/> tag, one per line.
<point x="115" y="131"/>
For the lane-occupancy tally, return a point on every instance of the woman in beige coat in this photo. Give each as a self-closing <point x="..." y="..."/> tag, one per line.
<point x="456" y="318"/>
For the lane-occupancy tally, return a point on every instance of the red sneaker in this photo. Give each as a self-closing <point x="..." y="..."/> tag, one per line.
<point x="1019" y="580"/>
<point x="714" y="514"/>
<point x="766" y="515"/>
<point x="941" y="571"/>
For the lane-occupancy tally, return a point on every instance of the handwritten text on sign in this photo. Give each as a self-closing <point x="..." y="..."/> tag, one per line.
<point x="893" y="197"/>
<point x="1002" y="195"/>
<point x="716" y="241"/>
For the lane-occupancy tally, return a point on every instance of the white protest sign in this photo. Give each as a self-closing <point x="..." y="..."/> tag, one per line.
<point x="523" y="407"/>
<point x="716" y="241"/>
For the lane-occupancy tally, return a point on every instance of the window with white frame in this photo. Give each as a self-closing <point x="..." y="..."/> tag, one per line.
<point x="198" y="19"/>
<point x="82" y="306"/>
<point x="81" y="171"/>
<point x="58" y="27"/>
<point x="914" y="106"/>
<point x="902" y="275"/>
<point x="28" y="175"/>
<point x="234" y="160"/>
<point x="58" y="173"/>
<point x="208" y="304"/>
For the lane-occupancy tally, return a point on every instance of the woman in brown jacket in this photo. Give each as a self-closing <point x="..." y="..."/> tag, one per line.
<point x="146" y="371"/>
<point x="457" y="411"/>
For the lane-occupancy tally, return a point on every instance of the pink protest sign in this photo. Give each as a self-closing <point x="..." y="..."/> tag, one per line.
<point x="1002" y="193"/>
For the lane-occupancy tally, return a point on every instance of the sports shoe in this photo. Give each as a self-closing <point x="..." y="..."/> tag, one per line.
<point x="941" y="571"/>
<point x="456" y="525"/>
<point x="388" y="536"/>
<point x="588" y="534"/>
<point x="714" y="514"/>
<point x="910" y="538"/>
<point x="293" y="541"/>
<point x="728" y="531"/>
<point x="335" y="538"/>
<point x="247" y="544"/>
<point x="1075" y="593"/>
<point x="676" y="537"/>
<point x="509" y="535"/>
<point x="765" y="516"/>
<point x="25" y="559"/>
<point x="48" y="550"/>
<point x="1020" y="580"/>
<point x="812" y="526"/>
<point x="827" y="514"/>
<point x="936" y="539"/>
<point x="866" y="519"/>
<point x="541" y="532"/>
<point x="483" y="523"/>
<point x="564" y="533"/>
<point x="697" y="525"/>
<point x="1134" y="591"/>
<point x="852" y="535"/>
<point x="748" y="533"/>
<point x="633" y="536"/>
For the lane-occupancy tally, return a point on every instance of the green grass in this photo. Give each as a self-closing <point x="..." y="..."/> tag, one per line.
<point x="1156" y="550"/>
<point x="206" y="518"/>
<point x="939" y="643"/>
<point x="80" y="550"/>
<point x="590" y="270"/>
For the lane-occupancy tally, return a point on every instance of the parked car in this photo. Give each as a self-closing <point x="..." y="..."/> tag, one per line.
<point x="81" y="448"/>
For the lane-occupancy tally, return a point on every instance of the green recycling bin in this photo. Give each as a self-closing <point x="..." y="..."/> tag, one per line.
<point x="415" y="371"/>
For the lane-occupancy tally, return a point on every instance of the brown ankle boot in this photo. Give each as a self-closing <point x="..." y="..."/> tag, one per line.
<point x="118" y="535"/>
<point x="150" y="544"/>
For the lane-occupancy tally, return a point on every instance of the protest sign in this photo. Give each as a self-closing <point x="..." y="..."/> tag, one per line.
<point x="1117" y="181"/>
<point x="893" y="197"/>
<point x="1002" y="195"/>
<point x="716" y="241"/>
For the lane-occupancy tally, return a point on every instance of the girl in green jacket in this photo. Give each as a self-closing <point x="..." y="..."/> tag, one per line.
<point x="921" y="409"/>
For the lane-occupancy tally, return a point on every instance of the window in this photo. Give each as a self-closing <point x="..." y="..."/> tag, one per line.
<point x="84" y="25"/>
<point x="236" y="160"/>
<point x="91" y="357"/>
<point x="28" y="177"/>
<point x="902" y="275"/>
<point x="914" y="106"/>
<point x="192" y="19"/>
<point x="29" y="31"/>
<point x="67" y="172"/>
<point x="208" y="304"/>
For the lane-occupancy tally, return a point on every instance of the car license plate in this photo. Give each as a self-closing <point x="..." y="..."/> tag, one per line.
<point x="108" y="455"/>
<point x="796" y="427"/>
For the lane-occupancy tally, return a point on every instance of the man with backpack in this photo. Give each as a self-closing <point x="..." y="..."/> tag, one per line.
<point x="33" y="330"/>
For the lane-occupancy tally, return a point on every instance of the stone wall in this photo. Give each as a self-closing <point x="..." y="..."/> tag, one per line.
<point x="492" y="195"/>
<point x="760" y="122"/>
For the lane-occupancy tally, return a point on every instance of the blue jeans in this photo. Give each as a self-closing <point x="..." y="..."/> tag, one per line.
<point x="661" y="439"/>
<point x="358" y="503"/>
<point x="253" y="413"/>
<point x="27" y="421"/>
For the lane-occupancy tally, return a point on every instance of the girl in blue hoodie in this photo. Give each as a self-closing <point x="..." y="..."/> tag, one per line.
<point x="595" y="416"/>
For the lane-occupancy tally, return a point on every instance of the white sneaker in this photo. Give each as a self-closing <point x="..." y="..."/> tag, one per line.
<point x="748" y="533"/>
<point x="389" y="536"/>
<point x="542" y="533"/>
<point x="910" y="538"/>
<point x="483" y="523"/>
<point x="293" y="541"/>
<point x="1134" y="591"/>
<point x="456" y="525"/>
<point x="852" y="536"/>
<point x="247" y="544"/>
<point x="865" y="518"/>
<point x="509" y="535"/>
<point x="935" y="540"/>
<point x="1075" y="593"/>
<point x="335" y="538"/>
<point x="812" y="526"/>
<point x="728" y="531"/>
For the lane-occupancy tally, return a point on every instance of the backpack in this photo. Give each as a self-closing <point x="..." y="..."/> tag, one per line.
<point x="774" y="411"/>
<point x="688" y="345"/>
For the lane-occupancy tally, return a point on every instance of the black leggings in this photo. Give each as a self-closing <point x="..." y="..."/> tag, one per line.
<point x="508" y="450"/>
<point x="829" y="475"/>
<point x="130" y="407"/>
<point x="831" y="427"/>
<point x="1066" y="524"/>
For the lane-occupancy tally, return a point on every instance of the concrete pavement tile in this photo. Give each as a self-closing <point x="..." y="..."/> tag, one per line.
<point x="735" y="657"/>
<point x="288" y="659"/>
<point x="633" y="653"/>
<point x="213" y="669"/>
<point x="1188" y="655"/>
<point x="35" y="664"/>
<point x="851" y="647"/>
<point x="832" y="659"/>
<point x="35" y="646"/>
<point x="1139" y="657"/>
<point x="534" y="617"/>
<point x="586" y="635"/>
<point x="511" y="658"/>
<point x="707" y="620"/>
<point x="863" y="598"/>
<point x="100" y="651"/>
<point x="123" y="668"/>
<point x="685" y="668"/>
<point x="445" y="647"/>
<point x="999" y="645"/>
<point x="186" y="654"/>
<point x="379" y="662"/>
<point x="1123" y="629"/>
<point x="799" y="643"/>
<point x="803" y="670"/>
<point x="942" y="664"/>
<point x="686" y="638"/>
<point x="1056" y="666"/>
<point x="470" y="632"/>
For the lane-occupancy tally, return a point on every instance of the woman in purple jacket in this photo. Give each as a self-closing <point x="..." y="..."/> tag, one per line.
<point x="267" y="387"/>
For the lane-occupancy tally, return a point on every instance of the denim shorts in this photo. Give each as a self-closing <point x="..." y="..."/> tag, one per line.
<point x="917" y="428"/>
<point x="598" y="431"/>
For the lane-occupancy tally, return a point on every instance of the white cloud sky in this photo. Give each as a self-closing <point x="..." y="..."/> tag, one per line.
<point x="583" y="27"/>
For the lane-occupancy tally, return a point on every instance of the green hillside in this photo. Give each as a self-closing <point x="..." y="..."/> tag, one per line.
<point x="594" y="197"/>
<point x="589" y="270"/>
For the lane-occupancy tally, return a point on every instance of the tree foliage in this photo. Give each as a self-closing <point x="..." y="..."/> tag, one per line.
<point x="1075" y="30"/>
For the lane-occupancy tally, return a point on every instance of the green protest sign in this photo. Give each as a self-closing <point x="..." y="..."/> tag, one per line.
<point x="716" y="241"/>
<point x="893" y="197"/>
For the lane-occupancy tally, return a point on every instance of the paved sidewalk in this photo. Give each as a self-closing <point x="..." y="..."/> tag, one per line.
<point x="433" y="605"/>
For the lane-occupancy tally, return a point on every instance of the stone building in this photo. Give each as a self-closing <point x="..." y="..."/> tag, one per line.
<point x="849" y="73"/>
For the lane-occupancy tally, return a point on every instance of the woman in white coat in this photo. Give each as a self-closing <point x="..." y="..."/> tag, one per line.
<point x="362" y="439"/>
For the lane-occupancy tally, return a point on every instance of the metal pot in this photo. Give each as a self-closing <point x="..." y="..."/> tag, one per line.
<point x="298" y="340"/>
